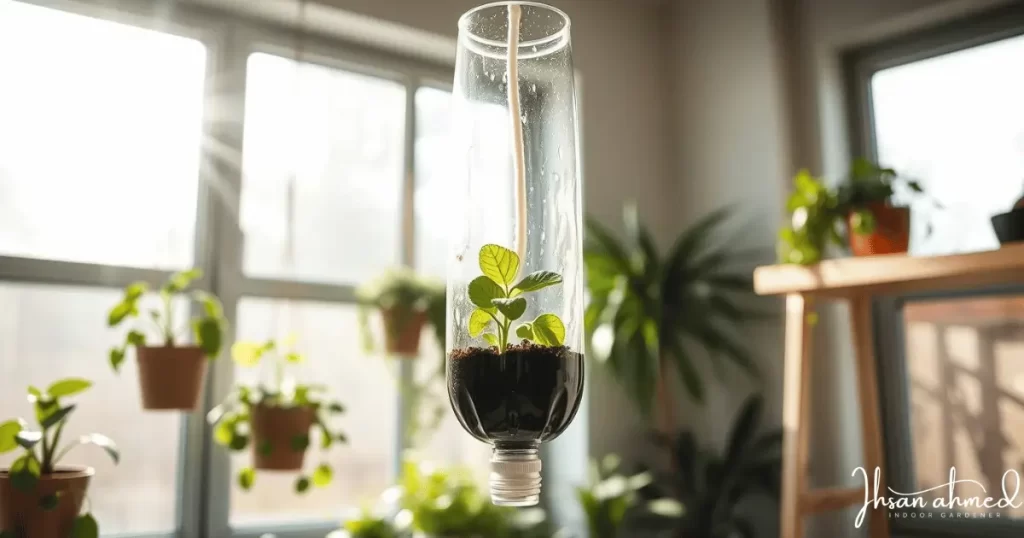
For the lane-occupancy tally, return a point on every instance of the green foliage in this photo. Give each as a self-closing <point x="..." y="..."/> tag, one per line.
<point x="711" y="485"/>
<point x="370" y="525"/>
<point x="818" y="214"/>
<point x="405" y="293"/>
<point x="231" y="420"/>
<point x="448" y="502"/>
<point x="499" y="299"/>
<point x="611" y="500"/>
<point x="42" y="449"/>
<point x="647" y="308"/>
<point x="207" y="329"/>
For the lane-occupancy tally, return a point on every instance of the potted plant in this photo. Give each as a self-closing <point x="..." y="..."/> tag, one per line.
<point x="275" y="417"/>
<point x="860" y="208"/>
<point x="864" y="202"/>
<point x="448" y="503"/>
<point x="406" y="302"/>
<point x="650" y="309"/>
<point x="1009" y="226"/>
<point x="170" y="374"/>
<point x="711" y="485"/>
<point x="613" y="506"/>
<point x="39" y="498"/>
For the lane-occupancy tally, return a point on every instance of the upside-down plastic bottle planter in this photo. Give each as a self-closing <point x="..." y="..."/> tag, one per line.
<point x="515" y="279"/>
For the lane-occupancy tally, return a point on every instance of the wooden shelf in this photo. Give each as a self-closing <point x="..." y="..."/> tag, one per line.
<point x="895" y="273"/>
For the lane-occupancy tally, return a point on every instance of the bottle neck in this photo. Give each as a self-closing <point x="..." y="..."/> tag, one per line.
<point x="515" y="474"/>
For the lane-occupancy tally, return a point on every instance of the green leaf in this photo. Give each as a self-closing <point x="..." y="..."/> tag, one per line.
<point x="211" y="305"/>
<point x="246" y="477"/>
<point x="513" y="309"/>
<point x="85" y="527"/>
<point x="294" y="358"/>
<point x="119" y="312"/>
<point x="478" y="321"/>
<point x="179" y="281"/>
<point x="49" y="502"/>
<point x="302" y="485"/>
<point x="24" y="473"/>
<point x="53" y="418"/>
<point x="116" y="358"/>
<point x="326" y="439"/>
<point x="104" y="442"/>
<point x="491" y="339"/>
<point x="341" y="438"/>
<point x="538" y="280"/>
<point x="135" y="290"/>
<point x="238" y="442"/>
<point x="300" y="443"/>
<point x="549" y="330"/>
<point x="68" y="387"/>
<point x="224" y="432"/>
<point x="247" y="353"/>
<point x="525" y="331"/>
<point x="322" y="475"/>
<point x="483" y="290"/>
<point x="499" y="264"/>
<point x="208" y="335"/>
<point x="34" y="393"/>
<point x="9" y="435"/>
<point x="27" y="439"/>
<point x="336" y="407"/>
<point x="135" y="338"/>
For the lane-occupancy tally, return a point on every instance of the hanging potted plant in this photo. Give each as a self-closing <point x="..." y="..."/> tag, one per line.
<point x="170" y="374"/>
<point x="406" y="302"/>
<point x="39" y="498"/>
<point x="274" y="418"/>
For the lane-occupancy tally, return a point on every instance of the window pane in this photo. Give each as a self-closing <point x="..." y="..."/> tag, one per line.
<point x="966" y="383"/>
<point x="449" y="444"/>
<point x="99" y="139"/>
<point x="329" y="336"/>
<point x="433" y="174"/>
<point x="323" y="161"/>
<point x="974" y="163"/>
<point x="51" y="332"/>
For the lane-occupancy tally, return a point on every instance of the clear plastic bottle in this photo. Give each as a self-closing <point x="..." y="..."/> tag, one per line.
<point x="515" y="280"/>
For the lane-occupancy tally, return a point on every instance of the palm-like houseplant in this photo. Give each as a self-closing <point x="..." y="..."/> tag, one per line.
<point x="711" y="485"/>
<point x="650" y="310"/>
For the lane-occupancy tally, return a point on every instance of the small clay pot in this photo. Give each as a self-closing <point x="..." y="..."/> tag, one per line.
<point x="274" y="434"/>
<point x="891" y="235"/>
<point x="20" y="510"/>
<point x="171" y="378"/>
<point x="402" y="331"/>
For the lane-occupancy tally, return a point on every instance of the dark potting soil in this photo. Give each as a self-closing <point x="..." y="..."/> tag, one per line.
<point x="529" y="393"/>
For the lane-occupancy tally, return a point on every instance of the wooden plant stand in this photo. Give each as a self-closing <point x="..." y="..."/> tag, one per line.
<point x="856" y="281"/>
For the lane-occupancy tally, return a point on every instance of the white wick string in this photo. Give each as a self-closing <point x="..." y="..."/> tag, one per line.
<point x="515" y="111"/>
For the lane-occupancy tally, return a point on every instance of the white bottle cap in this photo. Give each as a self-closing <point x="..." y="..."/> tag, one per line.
<point x="515" y="477"/>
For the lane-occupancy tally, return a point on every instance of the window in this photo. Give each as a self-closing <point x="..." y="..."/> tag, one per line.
<point x="951" y="116"/>
<point x="127" y="152"/>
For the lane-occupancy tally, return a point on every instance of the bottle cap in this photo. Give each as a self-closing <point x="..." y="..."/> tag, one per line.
<point x="515" y="477"/>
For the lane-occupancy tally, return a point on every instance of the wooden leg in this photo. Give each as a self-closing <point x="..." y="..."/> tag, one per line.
<point x="795" y="412"/>
<point x="867" y="383"/>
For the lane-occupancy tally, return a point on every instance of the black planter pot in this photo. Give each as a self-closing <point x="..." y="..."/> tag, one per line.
<point x="1009" y="227"/>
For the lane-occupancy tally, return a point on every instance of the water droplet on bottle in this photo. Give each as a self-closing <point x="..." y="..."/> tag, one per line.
<point x="504" y="77"/>
<point x="535" y="48"/>
<point x="524" y="118"/>
<point x="492" y="76"/>
<point x="533" y="88"/>
<point x="559" y="152"/>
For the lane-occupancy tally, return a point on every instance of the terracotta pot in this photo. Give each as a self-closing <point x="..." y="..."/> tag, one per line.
<point x="20" y="510"/>
<point x="402" y="331"/>
<point x="891" y="235"/>
<point x="171" y="378"/>
<point x="273" y="432"/>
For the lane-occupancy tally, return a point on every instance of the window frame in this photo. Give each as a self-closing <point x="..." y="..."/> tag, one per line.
<point x="203" y="488"/>
<point x="859" y="66"/>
